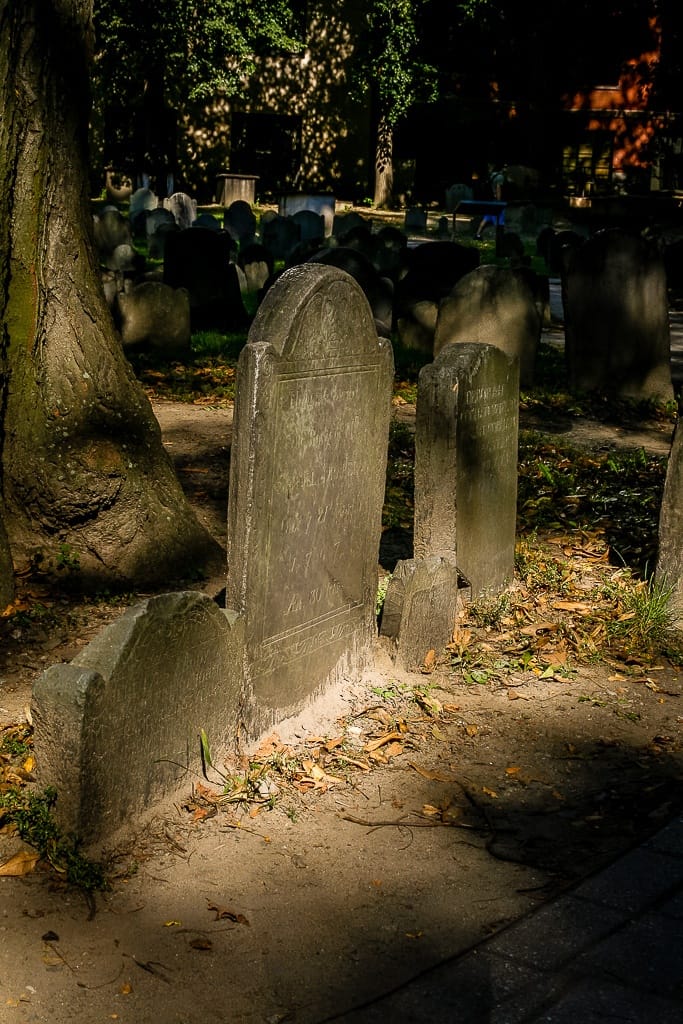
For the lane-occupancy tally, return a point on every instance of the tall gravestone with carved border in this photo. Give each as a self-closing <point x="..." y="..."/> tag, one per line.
<point x="466" y="462"/>
<point x="307" y="488"/>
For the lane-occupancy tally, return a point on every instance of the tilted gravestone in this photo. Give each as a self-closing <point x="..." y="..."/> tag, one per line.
<point x="119" y="727"/>
<point x="466" y="462"/>
<point x="306" y="492"/>
<point x="493" y="306"/>
<point x="669" y="571"/>
<point x="617" y="318"/>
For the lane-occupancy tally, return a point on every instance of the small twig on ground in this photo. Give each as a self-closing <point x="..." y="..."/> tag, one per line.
<point x="402" y="823"/>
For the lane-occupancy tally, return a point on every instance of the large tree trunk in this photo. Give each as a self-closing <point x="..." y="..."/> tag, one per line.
<point x="80" y="450"/>
<point x="384" y="166"/>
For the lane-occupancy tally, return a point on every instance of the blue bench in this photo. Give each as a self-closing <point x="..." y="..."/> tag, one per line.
<point x="483" y="208"/>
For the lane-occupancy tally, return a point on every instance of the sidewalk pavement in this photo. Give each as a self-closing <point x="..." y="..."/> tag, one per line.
<point x="610" y="949"/>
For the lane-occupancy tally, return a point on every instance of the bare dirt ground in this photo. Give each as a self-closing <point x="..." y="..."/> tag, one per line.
<point x="390" y="827"/>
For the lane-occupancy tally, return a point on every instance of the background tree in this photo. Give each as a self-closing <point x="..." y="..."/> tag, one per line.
<point x="80" y="450"/>
<point x="388" y="69"/>
<point x="153" y="59"/>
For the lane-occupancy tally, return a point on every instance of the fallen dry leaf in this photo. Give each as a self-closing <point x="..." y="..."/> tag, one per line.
<point x="540" y="627"/>
<point x="433" y="774"/>
<point x="429" y="663"/>
<point x="388" y="737"/>
<point x="22" y="863"/>
<point x="225" y="914"/>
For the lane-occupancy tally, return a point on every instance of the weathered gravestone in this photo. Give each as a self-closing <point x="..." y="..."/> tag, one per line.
<point x="199" y="260"/>
<point x="111" y="230"/>
<point x="390" y="252"/>
<point x="377" y="290"/>
<point x="239" y="221"/>
<point x="420" y="608"/>
<point x="311" y="225"/>
<point x="455" y="194"/>
<point x="207" y="220"/>
<point x="183" y="208"/>
<point x="158" y="225"/>
<point x="343" y="223"/>
<point x="154" y="315"/>
<point x="415" y="221"/>
<point x="493" y="306"/>
<point x="431" y="271"/>
<point x="142" y="199"/>
<point x="119" y="727"/>
<point x="466" y="462"/>
<point x="257" y="263"/>
<point x="280" y="236"/>
<point x="669" y="571"/>
<point x="306" y="492"/>
<point x="322" y="205"/>
<point x="617" y="318"/>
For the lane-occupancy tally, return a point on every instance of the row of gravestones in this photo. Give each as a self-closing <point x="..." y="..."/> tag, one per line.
<point x="428" y="295"/>
<point x="208" y="269"/>
<point x="308" y="467"/>
<point x="304" y="521"/>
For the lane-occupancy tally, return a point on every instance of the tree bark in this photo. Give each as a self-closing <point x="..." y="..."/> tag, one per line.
<point x="81" y="458"/>
<point x="384" y="166"/>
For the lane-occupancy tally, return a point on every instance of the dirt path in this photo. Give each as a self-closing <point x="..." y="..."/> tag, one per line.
<point x="411" y="817"/>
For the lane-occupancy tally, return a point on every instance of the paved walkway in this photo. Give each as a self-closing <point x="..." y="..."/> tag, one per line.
<point x="611" y="949"/>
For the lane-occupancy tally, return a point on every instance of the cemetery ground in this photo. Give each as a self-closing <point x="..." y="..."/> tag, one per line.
<point x="390" y="827"/>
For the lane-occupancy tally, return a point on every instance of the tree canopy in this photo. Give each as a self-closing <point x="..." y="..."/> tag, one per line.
<point x="153" y="59"/>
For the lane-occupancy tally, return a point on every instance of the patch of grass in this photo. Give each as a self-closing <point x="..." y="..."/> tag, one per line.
<point x="214" y="344"/>
<point x="31" y="814"/>
<point x="643" y="620"/>
<point x="538" y="569"/>
<point x="562" y="489"/>
<point x="550" y="397"/>
<point x="15" y="742"/>
<point x="489" y="610"/>
<point x="398" y="497"/>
